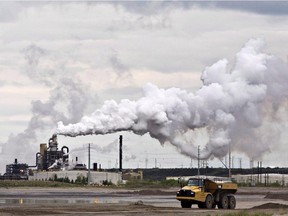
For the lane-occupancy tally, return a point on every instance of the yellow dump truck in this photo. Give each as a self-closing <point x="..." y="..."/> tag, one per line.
<point x="207" y="193"/>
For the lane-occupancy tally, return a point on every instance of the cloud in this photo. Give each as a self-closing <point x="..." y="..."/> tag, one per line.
<point x="149" y="8"/>
<point x="2" y="83"/>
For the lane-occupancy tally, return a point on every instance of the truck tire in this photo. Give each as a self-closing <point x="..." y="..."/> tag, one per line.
<point x="224" y="202"/>
<point x="232" y="202"/>
<point x="209" y="202"/>
<point x="186" y="204"/>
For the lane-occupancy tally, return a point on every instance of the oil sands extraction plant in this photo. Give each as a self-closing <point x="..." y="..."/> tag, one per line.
<point x="53" y="162"/>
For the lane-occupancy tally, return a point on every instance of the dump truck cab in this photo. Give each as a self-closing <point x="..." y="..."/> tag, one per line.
<point x="208" y="193"/>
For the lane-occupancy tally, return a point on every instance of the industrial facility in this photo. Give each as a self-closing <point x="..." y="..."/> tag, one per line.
<point x="16" y="171"/>
<point x="52" y="162"/>
<point x="51" y="158"/>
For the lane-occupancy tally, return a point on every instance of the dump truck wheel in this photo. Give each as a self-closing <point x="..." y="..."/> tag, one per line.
<point x="232" y="202"/>
<point x="185" y="204"/>
<point x="209" y="202"/>
<point x="224" y="202"/>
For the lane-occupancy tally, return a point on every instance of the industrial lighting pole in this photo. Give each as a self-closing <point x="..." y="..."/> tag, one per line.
<point x="89" y="174"/>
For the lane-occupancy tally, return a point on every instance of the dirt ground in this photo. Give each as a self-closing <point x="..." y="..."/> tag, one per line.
<point x="109" y="201"/>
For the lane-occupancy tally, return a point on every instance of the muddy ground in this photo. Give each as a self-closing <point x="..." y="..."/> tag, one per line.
<point x="110" y="201"/>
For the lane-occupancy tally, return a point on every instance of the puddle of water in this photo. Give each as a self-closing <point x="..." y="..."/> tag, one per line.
<point x="56" y="201"/>
<point x="100" y="199"/>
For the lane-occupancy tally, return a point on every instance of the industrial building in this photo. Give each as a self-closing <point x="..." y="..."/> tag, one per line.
<point x="53" y="163"/>
<point x="265" y="179"/>
<point x="16" y="171"/>
<point x="96" y="177"/>
<point x="51" y="158"/>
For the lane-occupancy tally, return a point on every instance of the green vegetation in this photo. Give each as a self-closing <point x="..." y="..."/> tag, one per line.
<point x="53" y="182"/>
<point x="20" y="183"/>
<point x="107" y="183"/>
<point x="80" y="180"/>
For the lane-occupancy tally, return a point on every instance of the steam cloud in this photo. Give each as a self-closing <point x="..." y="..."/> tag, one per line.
<point x="243" y="106"/>
<point x="65" y="92"/>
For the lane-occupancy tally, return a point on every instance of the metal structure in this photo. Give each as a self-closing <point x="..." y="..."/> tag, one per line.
<point x="51" y="158"/>
<point x="16" y="171"/>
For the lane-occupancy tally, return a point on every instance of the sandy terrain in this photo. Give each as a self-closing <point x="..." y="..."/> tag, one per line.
<point x="108" y="201"/>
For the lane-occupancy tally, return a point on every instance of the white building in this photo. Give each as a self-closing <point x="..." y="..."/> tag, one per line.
<point x="96" y="177"/>
<point x="268" y="178"/>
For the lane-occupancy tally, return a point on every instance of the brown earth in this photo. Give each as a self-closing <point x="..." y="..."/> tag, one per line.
<point x="150" y="202"/>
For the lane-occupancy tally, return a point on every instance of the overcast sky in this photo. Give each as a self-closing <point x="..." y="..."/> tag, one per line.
<point x="60" y="61"/>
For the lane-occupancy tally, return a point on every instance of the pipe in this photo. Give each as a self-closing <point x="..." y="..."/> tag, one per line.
<point x="65" y="147"/>
<point x="38" y="154"/>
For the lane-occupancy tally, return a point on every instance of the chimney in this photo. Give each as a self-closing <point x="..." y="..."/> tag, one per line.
<point x="95" y="166"/>
<point x="120" y="153"/>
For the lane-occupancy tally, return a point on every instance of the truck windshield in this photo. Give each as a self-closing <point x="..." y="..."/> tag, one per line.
<point x="195" y="182"/>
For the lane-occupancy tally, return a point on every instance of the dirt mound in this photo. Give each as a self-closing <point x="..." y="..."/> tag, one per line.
<point x="271" y="206"/>
<point x="283" y="196"/>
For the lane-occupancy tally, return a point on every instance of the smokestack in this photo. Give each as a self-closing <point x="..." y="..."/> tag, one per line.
<point x="95" y="166"/>
<point x="120" y="153"/>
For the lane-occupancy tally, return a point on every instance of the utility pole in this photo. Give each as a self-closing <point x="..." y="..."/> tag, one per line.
<point x="229" y="160"/>
<point x="198" y="161"/>
<point x="89" y="174"/>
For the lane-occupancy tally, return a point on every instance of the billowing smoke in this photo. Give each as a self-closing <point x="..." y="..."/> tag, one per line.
<point x="123" y="74"/>
<point x="242" y="106"/>
<point x="67" y="102"/>
<point x="100" y="149"/>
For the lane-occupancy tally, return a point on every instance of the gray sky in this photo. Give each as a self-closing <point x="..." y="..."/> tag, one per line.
<point x="59" y="61"/>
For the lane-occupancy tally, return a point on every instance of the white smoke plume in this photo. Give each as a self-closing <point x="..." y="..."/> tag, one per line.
<point x="68" y="92"/>
<point x="241" y="106"/>
<point x="100" y="149"/>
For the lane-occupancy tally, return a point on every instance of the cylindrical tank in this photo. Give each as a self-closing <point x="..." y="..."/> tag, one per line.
<point x="43" y="149"/>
